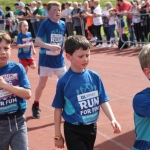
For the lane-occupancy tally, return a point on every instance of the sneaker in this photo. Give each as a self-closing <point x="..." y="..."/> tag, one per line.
<point x="99" y="45"/>
<point x="106" y="46"/>
<point x="35" y="112"/>
<point x="93" y="39"/>
<point x="111" y="45"/>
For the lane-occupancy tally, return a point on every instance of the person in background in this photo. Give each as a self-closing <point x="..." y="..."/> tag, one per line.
<point x="2" y="17"/>
<point x="123" y="7"/>
<point x="97" y="21"/>
<point x="33" y="18"/>
<point x="136" y="21"/>
<point x="75" y="14"/>
<point x="13" y="30"/>
<point x="8" y="16"/>
<point x="21" y="13"/>
<point x="20" y="3"/>
<point x="105" y="15"/>
<point x="38" y="13"/>
<point x="16" y="5"/>
<point x="68" y="19"/>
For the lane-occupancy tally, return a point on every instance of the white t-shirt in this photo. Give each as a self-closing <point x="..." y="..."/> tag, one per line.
<point x="67" y="13"/>
<point x="112" y="20"/>
<point x="97" y="20"/>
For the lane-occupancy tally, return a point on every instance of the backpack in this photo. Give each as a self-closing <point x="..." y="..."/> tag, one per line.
<point x="121" y="43"/>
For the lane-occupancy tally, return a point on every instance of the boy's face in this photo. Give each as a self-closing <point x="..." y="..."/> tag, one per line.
<point x="55" y="13"/>
<point x="79" y="59"/>
<point x="4" y="53"/>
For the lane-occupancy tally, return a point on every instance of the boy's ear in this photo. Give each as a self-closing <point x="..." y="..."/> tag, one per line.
<point x="68" y="56"/>
<point x="147" y="72"/>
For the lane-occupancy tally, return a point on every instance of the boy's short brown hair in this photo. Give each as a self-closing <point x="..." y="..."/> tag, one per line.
<point x="76" y="42"/>
<point x="144" y="57"/>
<point x="52" y="3"/>
<point x="4" y="36"/>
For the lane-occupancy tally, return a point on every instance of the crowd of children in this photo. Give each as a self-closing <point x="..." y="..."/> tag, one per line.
<point x="74" y="101"/>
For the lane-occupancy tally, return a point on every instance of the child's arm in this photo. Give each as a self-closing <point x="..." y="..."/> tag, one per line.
<point x="108" y="111"/>
<point x="48" y="46"/>
<point x="18" y="91"/>
<point x="23" y="45"/>
<point x="59" y="143"/>
<point x="33" y="49"/>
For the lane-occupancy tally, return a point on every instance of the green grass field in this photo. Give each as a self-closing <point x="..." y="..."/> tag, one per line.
<point x="11" y="3"/>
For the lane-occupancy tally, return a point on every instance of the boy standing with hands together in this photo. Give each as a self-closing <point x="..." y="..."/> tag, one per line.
<point x="79" y="95"/>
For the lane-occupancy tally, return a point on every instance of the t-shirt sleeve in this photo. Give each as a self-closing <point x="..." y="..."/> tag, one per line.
<point x="19" y="39"/>
<point x="141" y="105"/>
<point x="102" y="92"/>
<point x="41" y="32"/>
<point x="127" y="7"/>
<point x="35" y="12"/>
<point x="59" y="101"/>
<point x="23" y="79"/>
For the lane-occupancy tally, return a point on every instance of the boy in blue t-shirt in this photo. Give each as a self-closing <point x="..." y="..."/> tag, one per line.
<point x="14" y="89"/>
<point x="50" y="38"/>
<point x="141" y="106"/>
<point x="79" y="95"/>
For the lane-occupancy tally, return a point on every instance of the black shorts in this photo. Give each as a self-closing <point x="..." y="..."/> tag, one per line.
<point x="80" y="137"/>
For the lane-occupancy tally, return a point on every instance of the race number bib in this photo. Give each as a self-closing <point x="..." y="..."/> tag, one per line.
<point x="56" y="39"/>
<point x="27" y="41"/>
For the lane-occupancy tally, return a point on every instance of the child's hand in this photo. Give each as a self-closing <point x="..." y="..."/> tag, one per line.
<point x="3" y="83"/>
<point x="59" y="143"/>
<point x="116" y="126"/>
<point x="55" y="48"/>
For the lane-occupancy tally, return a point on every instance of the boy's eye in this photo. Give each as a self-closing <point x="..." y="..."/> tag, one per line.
<point x="6" y="48"/>
<point x="80" y="56"/>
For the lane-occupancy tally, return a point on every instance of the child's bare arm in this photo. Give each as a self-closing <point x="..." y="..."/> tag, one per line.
<point x="33" y="49"/>
<point x="18" y="91"/>
<point x="23" y="45"/>
<point x="59" y="143"/>
<point x="48" y="46"/>
<point x="108" y="111"/>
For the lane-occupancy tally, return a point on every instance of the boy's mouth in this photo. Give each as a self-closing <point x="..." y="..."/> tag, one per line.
<point x="2" y="58"/>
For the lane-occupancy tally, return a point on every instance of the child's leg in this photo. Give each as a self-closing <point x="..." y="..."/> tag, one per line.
<point x="40" y="87"/>
<point x="20" y="140"/>
<point x="80" y="137"/>
<point x="25" y="63"/>
<point x="60" y="71"/>
<point x="32" y="63"/>
<point x="5" y="136"/>
<point x="26" y="68"/>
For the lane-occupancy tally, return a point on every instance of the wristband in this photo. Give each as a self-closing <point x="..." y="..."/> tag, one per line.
<point x="57" y="137"/>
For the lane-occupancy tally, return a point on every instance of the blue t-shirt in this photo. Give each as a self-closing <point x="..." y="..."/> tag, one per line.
<point x="24" y="53"/>
<point x="53" y="33"/>
<point x="141" y="106"/>
<point x="45" y="13"/>
<point x="14" y="74"/>
<point x="2" y="14"/>
<point x="80" y="95"/>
